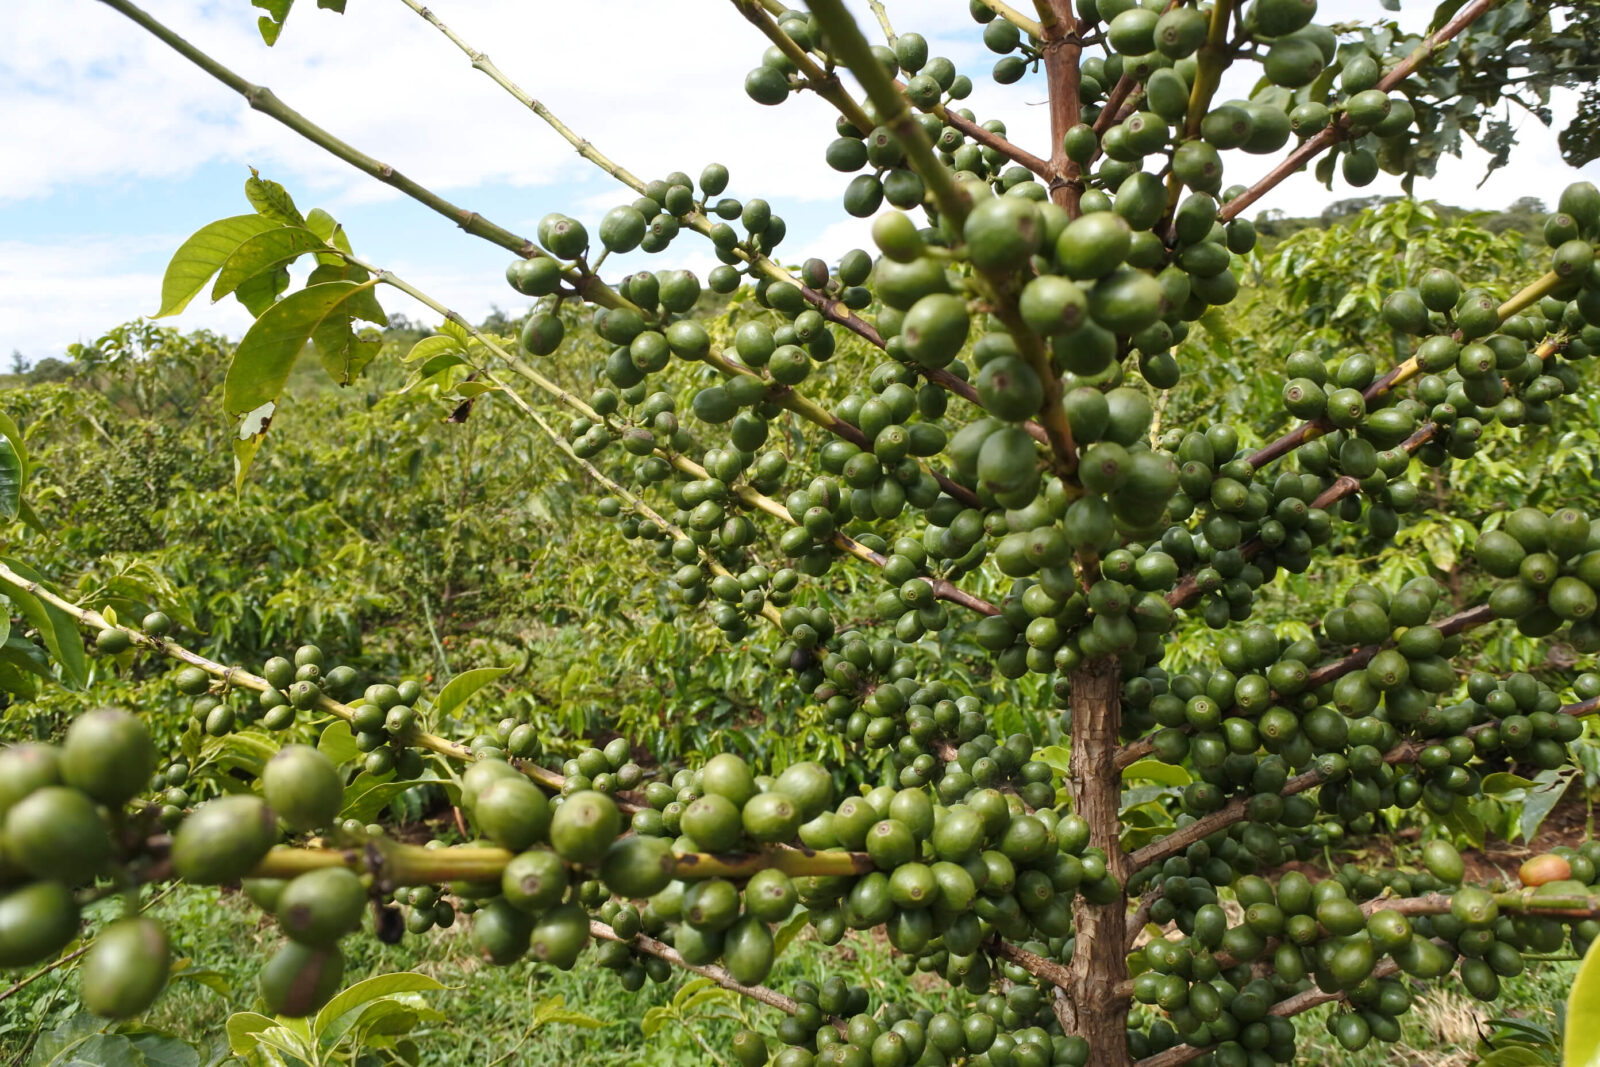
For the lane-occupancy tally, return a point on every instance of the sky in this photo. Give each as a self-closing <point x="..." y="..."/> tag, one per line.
<point x="113" y="149"/>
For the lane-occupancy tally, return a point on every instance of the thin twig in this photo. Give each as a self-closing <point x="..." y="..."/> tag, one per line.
<point x="265" y="101"/>
<point x="1332" y="133"/>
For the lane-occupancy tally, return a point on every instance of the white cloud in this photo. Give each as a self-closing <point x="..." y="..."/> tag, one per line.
<point x="94" y="103"/>
<point x="55" y="293"/>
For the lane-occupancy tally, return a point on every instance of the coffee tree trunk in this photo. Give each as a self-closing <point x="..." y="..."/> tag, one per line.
<point x="1094" y="1007"/>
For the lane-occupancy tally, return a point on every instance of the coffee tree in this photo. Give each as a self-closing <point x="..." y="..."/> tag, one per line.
<point x="966" y="424"/>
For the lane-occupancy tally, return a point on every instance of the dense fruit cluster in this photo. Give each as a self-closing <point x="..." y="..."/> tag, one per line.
<point x="1059" y="535"/>
<point x="64" y="822"/>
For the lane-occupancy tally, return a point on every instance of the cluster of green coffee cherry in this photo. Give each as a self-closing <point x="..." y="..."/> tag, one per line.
<point x="1551" y="566"/>
<point x="1331" y="934"/>
<point x="1016" y="1027"/>
<point x="1245" y="726"/>
<point x="65" y="821"/>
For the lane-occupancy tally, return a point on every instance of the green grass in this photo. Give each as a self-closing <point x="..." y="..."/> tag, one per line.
<point x="489" y="1009"/>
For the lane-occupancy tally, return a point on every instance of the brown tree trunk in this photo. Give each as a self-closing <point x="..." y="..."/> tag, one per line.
<point x="1062" y="54"/>
<point x="1093" y="1009"/>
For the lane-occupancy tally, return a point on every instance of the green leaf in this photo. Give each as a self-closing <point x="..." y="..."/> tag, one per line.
<point x="338" y="743"/>
<point x="213" y="980"/>
<point x="1056" y="756"/>
<point x="1464" y="824"/>
<point x="1540" y="802"/>
<point x="1582" y="1045"/>
<point x="384" y="1020"/>
<point x="1441" y="548"/>
<point x="265" y="251"/>
<point x="267" y="196"/>
<point x="164" y="1050"/>
<point x="654" y="1020"/>
<point x="245" y="449"/>
<point x="429" y="347"/>
<point x="554" y="1010"/>
<point x="789" y="931"/>
<point x="463" y="686"/>
<point x="246" y="750"/>
<point x="326" y="227"/>
<point x="243" y="1026"/>
<point x="367" y="795"/>
<point x="265" y="356"/>
<point x="262" y="291"/>
<point x="1503" y="782"/>
<point x="371" y="989"/>
<point x="13" y="433"/>
<point x="10" y="480"/>
<point x="1151" y="770"/>
<point x="100" y="1049"/>
<point x="59" y="630"/>
<point x="202" y="255"/>
<point x="345" y="355"/>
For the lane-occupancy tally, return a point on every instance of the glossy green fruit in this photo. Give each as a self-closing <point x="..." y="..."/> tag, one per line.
<point x="1092" y="246"/>
<point x="935" y="329"/>
<point x="1404" y="310"/>
<point x="24" y="768"/>
<point x="1125" y="301"/>
<point x="747" y="950"/>
<point x="1443" y="861"/>
<point x="1179" y="32"/>
<point x="1051" y="304"/>
<point x="319" y="907"/>
<point x="560" y="936"/>
<point x="1359" y="167"/>
<point x="112" y="641"/>
<point x="770" y="895"/>
<point x="542" y="333"/>
<point x="479" y="775"/>
<point x="303" y="787"/>
<point x="728" y="775"/>
<point x="514" y="813"/>
<point x="1293" y="61"/>
<point x="622" y="229"/>
<point x="223" y="840"/>
<point x="534" y="880"/>
<point x="750" y="1049"/>
<point x="713" y="821"/>
<point x="36" y="921"/>
<point x="583" y="827"/>
<point x="1002" y="232"/>
<point x="636" y="867"/>
<point x="772" y="817"/>
<point x="125" y="968"/>
<point x="810" y="786"/>
<point x="57" y="833"/>
<point x="538" y="276"/>
<point x="564" y="237"/>
<point x="1009" y="389"/>
<point x="192" y="680"/>
<point x="299" y="979"/>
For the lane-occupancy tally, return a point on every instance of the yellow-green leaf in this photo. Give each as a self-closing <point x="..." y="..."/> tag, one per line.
<point x="265" y="251"/>
<point x="266" y="354"/>
<point x="202" y="255"/>
<point x="1582" y="1045"/>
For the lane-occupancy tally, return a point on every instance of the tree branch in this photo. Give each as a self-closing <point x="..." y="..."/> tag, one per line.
<point x="660" y="949"/>
<point x="1325" y="138"/>
<point x="265" y="101"/>
<point x="1063" y="53"/>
